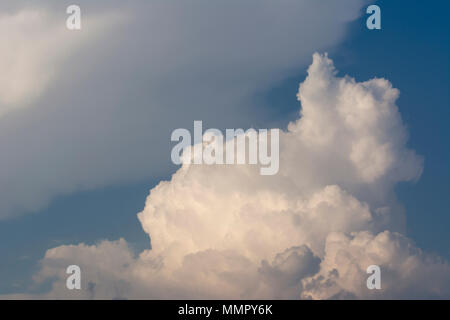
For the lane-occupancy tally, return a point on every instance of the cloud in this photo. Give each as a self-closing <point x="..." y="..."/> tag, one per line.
<point x="90" y="108"/>
<point x="310" y="231"/>
<point x="407" y="272"/>
<point x="37" y="45"/>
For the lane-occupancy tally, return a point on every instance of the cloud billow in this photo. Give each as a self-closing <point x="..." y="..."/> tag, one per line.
<point x="308" y="232"/>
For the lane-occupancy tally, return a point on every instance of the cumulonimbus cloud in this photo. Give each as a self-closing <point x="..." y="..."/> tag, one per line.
<point x="308" y="232"/>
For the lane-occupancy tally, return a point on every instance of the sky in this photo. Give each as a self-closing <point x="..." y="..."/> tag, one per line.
<point x="83" y="148"/>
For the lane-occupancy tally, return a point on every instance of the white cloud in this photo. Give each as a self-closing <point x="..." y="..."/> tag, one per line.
<point x="102" y="101"/>
<point x="308" y="232"/>
<point x="406" y="271"/>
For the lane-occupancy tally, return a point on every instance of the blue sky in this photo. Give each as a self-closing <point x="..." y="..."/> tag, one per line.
<point x="411" y="50"/>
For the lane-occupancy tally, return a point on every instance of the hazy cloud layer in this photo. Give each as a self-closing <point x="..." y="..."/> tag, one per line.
<point x="35" y="45"/>
<point x="308" y="232"/>
<point x="89" y="108"/>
